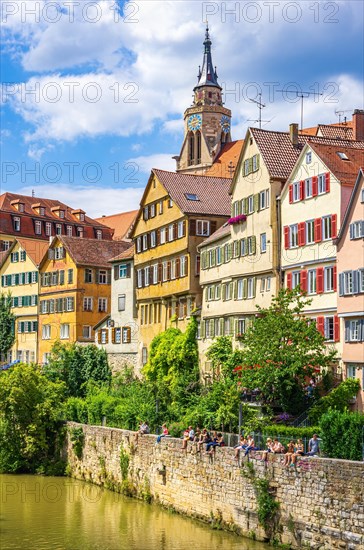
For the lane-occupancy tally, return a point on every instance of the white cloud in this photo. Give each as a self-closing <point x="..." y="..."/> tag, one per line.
<point x="161" y="161"/>
<point x="96" y="201"/>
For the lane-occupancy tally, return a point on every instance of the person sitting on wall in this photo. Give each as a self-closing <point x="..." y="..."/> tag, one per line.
<point x="313" y="446"/>
<point x="268" y="449"/>
<point x="277" y="447"/>
<point x="250" y="445"/>
<point x="218" y="441"/>
<point x="206" y="438"/>
<point x="299" y="451"/>
<point x="144" y="428"/>
<point x="187" y="437"/>
<point x="289" y="454"/>
<point x="243" y="443"/>
<point x="164" y="433"/>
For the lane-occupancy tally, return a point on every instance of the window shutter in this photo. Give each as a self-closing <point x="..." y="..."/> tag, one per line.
<point x="174" y="231"/>
<point x="341" y="284"/>
<point x="212" y="328"/>
<point x="320" y="280"/>
<point x="245" y="289"/>
<point x="116" y="272"/>
<point x="245" y="205"/>
<point x="235" y="283"/>
<point x="334" y="276"/>
<point x="184" y="228"/>
<point x="107" y="336"/>
<point x="303" y="280"/>
<point x="203" y="328"/>
<point x="289" y="281"/>
<point x="321" y="325"/>
<point x="361" y="331"/>
<point x="184" y="309"/>
<point x="160" y="272"/>
<point x="221" y="326"/>
<point x="61" y="277"/>
<point x="113" y="335"/>
<point x="254" y="244"/>
<point x="286" y="237"/>
<point x="198" y="265"/>
<point x="150" y="275"/>
<point x="336" y="329"/>
<point x="236" y="326"/>
<point x="302" y="190"/>
<point x="168" y="271"/>
<point x="334" y="226"/>
<point x="301" y="234"/>
<point x="327" y="182"/>
<point x="318" y="230"/>
<point x="356" y="280"/>
<point x="128" y="335"/>
<point x="290" y="192"/>
<point x="347" y="331"/>
<point x="51" y="254"/>
<point x="192" y="228"/>
<point x="223" y="292"/>
<point x="108" y="276"/>
<point x="256" y="202"/>
<point x="351" y="231"/>
<point x="178" y="268"/>
<point x="315" y="186"/>
<point x="254" y="286"/>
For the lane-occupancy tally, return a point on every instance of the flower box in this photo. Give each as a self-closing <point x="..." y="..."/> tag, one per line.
<point x="237" y="219"/>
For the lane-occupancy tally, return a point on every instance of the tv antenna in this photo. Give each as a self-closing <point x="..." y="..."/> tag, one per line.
<point x="302" y="95"/>
<point x="260" y="107"/>
<point x="341" y="113"/>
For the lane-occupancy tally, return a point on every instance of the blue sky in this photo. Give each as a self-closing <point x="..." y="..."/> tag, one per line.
<point x="93" y="93"/>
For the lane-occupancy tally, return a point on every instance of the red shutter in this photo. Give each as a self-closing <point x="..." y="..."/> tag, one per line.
<point x="158" y="237"/>
<point x="178" y="271"/>
<point x="336" y="328"/>
<point x="334" y="225"/>
<point x="321" y="325"/>
<point x="186" y="265"/>
<point x="193" y="228"/>
<point x="289" y="281"/>
<point x="327" y="182"/>
<point x="160" y="272"/>
<point x="318" y="230"/>
<point x="303" y="280"/>
<point x="320" y="280"/>
<point x="174" y="231"/>
<point x="302" y="190"/>
<point x="301" y="234"/>
<point x="315" y="186"/>
<point x="335" y="278"/>
<point x="290" y="189"/>
<point x="286" y="237"/>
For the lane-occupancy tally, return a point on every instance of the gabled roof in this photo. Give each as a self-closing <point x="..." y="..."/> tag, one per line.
<point x="121" y="223"/>
<point x="35" y="249"/>
<point x="357" y="187"/>
<point x="345" y="171"/>
<point x="126" y="255"/>
<point x="221" y="233"/>
<point x="229" y="153"/>
<point x="92" y="252"/>
<point x="106" y="318"/>
<point x="336" y="131"/>
<point x="212" y="193"/>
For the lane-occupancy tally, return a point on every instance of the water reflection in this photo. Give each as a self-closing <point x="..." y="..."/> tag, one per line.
<point x="64" y="514"/>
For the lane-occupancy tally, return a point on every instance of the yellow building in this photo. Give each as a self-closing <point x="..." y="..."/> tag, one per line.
<point x="19" y="276"/>
<point x="178" y="211"/>
<point x="75" y="290"/>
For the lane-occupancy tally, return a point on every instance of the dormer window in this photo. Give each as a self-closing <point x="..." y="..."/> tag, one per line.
<point x="61" y="214"/>
<point x="42" y="211"/>
<point x="191" y="197"/>
<point x="79" y="215"/>
<point x="99" y="234"/>
<point x="18" y="205"/>
<point x="39" y="209"/>
<point x="57" y="211"/>
<point x="16" y="222"/>
<point x="58" y="229"/>
<point x="38" y="227"/>
<point x="80" y="232"/>
<point x="69" y="230"/>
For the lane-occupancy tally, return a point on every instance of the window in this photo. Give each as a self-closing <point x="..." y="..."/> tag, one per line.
<point x="58" y="229"/>
<point x="170" y="232"/>
<point x="296" y="191"/>
<point x="48" y="229"/>
<point x="293" y="235"/>
<point x="70" y="276"/>
<point x="202" y="228"/>
<point x="16" y="224"/>
<point x="354" y="330"/>
<point x="210" y="293"/>
<point x="104" y="337"/>
<point x="123" y="271"/>
<point x="70" y="304"/>
<point x="38" y="227"/>
<point x="326" y="228"/>
<point x="170" y="203"/>
<point x="162" y="235"/>
<point x="102" y="277"/>
<point x="152" y="210"/>
<point x="191" y="197"/>
<point x="61" y="214"/>
<point x="46" y="332"/>
<point x="228" y="291"/>
<point x="180" y="230"/>
<point x="255" y="163"/>
<point x="218" y="255"/>
<point x="263" y="242"/>
<point x="23" y="255"/>
<point x="311" y="278"/>
<point x="88" y="275"/>
<point x="86" y="332"/>
<point x="263" y="199"/>
<point x="117" y="336"/>
<point x="80" y="232"/>
<point x="155" y="274"/>
<point x="82" y="217"/>
<point x="153" y="239"/>
<point x="240" y="284"/>
<point x="173" y="269"/>
<point x="139" y="244"/>
<point x="296" y="279"/>
<point x="329" y="279"/>
<point x="160" y="207"/>
<point x="348" y="282"/>
<point x="308" y="157"/>
<point x="88" y="303"/>
<point x="321" y="184"/>
<point x="251" y="204"/>
<point x="262" y="284"/>
<point x="140" y="278"/>
<point x="329" y="328"/>
<point x="146" y="213"/>
<point x="121" y="302"/>
<point x="14" y="257"/>
<point x="308" y="188"/>
<point x="251" y="289"/>
<point x="102" y="307"/>
<point x="126" y="335"/>
<point x="183" y="266"/>
<point x="350" y="371"/>
<point x="362" y="195"/>
<point x="243" y="247"/>
<point x="144" y="356"/>
<point x="99" y="234"/>
<point x="251" y="245"/>
<point x="310" y="232"/>
<point x="59" y="253"/>
<point x="69" y="230"/>
<point x="357" y="230"/>
<point x="145" y="242"/>
<point x="147" y="276"/>
<point x="246" y="167"/>
<point x="342" y="156"/>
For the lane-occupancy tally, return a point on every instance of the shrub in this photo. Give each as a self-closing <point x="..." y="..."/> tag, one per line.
<point x="342" y="434"/>
<point x="337" y="399"/>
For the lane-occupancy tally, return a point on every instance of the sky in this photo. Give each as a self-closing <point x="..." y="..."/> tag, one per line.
<point x="93" y="92"/>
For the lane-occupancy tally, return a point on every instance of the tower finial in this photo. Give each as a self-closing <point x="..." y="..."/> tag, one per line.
<point x="207" y="75"/>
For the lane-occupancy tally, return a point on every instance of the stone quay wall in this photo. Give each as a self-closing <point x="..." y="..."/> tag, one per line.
<point x="320" y="502"/>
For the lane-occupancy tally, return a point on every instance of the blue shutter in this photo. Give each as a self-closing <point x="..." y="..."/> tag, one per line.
<point x="347" y="331"/>
<point x="356" y="281"/>
<point x="361" y="330"/>
<point x="2" y="280"/>
<point x="341" y="284"/>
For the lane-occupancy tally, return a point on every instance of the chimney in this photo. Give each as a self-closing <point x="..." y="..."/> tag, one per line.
<point x="358" y="125"/>
<point x="293" y="134"/>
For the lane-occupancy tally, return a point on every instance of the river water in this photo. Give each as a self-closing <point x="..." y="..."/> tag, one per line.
<point x="51" y="513"/>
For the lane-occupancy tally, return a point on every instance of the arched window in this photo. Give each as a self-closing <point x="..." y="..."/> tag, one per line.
<point x="191" y="148"/>
<point x="198" y="147"/>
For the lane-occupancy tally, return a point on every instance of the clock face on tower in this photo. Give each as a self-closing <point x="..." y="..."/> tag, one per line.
<point x="225" y="124"/>
<point x="194" y="122"/>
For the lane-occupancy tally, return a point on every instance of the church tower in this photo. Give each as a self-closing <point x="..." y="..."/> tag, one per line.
<point x="207" y="122"/>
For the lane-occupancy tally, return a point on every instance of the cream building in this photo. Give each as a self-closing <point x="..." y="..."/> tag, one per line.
<point x="20" y="276"/>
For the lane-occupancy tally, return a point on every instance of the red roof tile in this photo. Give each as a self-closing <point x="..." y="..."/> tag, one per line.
<point x="229" y="153"/>
<point x="212" y="193"/>
<point x="335" y="131"/>
<point x="346" y="171"/>
<point x="93" y="252"/>
<point x="121" y="223"/>
<point x="223" y="231"/>
<point x="127" y="255"/>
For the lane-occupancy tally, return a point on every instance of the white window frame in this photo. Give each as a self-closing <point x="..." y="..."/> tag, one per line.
<point x="311" y="281"/>
<point x="170" y="233"/>
<point x="64" y="332"/>
<point x="329" y="278"/>
<point x="139" y="278"/>
<point x="102" y="305"/>
<point x="354" y="330"/>
<point x="86" y="332"/>
<point x="145" y="242"/>
<point x="263" y="242"/>
<point x="326" y="228"/>
<point x="69" y="230"/>
<point x="308" y="188"/>
<point x="296" y="279"/>
<point x="38" y="227"/>
<point x="173" y="269"/>
<point x="88" y="303"/>
<point x="310" y="231"/>
<point x="102" y="278"/>
<point x="308" y="157"/>
<point x="155" y="273"/>
<point x="17" y="224"/>
<point x="180" y="230"/>
<point x="162" y="235"/>
<point x="202" y="228"/>
<point x="182" y="269"/>
<point x="46" y="332"/>
<point x="165" y="272"/>
<point x="293" y="235"/>
<point x="240" y="285"/>
<point x="250" y="286"/>
<point x="153" y="239"/>
<point x="321" y="187"/>
<point x="146" y="275"/>
<point x="58" y="229"/>
<point x="250" y="204"/>
<point x="329" y="327"/>
<point x="139" y="244"/>
<point x="348" y="282"/>
<point x="48" y="229"/>
<point x="296" y="191"/>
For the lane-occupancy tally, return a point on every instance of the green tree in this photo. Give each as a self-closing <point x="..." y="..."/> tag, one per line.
<point x="281" y="350"/>
<point x="7" y="322"/>
<point x="78" y="366"/>
<point x="30" y="413"/>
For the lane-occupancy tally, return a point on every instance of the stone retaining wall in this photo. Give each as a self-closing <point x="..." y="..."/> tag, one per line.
<point x="321" y="502"/>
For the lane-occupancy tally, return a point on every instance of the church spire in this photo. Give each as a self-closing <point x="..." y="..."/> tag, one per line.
<point x="207" y="75"/>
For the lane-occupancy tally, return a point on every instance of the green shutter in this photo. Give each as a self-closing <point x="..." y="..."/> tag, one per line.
<point x="221" y="326"/>
<point x="61" y="277"/>
<point x="230" y="248"/>
<point x="235" y="290"/>
<point x="254" y="244"/>
<point x="258" y="161"/>
<point x="213" y="257"/>
<point x="222" y="248"/>
<point x="16" y="301"/>
<point x="254" y="286"/>
<point x="256" y="202"/>
<point x="223" y="292"/>
<point x="250" y="164"/>
<point x="212" y="328"/>
<point x="245" y="289"/>
<point x="236" y="326"/>
<point x="203" y="328"/>
<point x="231" y="326"/>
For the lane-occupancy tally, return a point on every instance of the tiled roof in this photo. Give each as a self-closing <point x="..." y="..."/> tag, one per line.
<point x="309" y="131"/>
<point x="354" y="196"/>
<point x="121" y="223"/>
<point x="213" y="193"/>
<point x="223" y="231"/>
<point x="34" y="248"/>
<point x="335" y="131"/>
<point x="93" y="252"/>
<point x="229" y="153"/>
<point x="127" y="255"/>
<point x="346" y="171"/>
